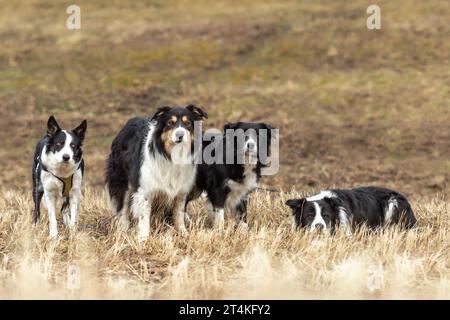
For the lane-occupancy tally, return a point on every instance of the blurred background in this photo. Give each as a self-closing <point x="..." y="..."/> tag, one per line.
<point x="354" y="106"/>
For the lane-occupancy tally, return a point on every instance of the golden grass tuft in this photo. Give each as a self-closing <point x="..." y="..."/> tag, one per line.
<point x="269" y="261"/>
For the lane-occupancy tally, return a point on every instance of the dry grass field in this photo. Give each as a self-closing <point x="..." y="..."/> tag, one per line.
<point x="354" y="107"/>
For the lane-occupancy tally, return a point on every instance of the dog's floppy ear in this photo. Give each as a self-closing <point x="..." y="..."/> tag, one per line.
<point x="52" y="127"/>
<point x="198" y="113"/>
<point x="80" y="131"/>
<point x="295" y="203"/>
<point x="160" y="112"/>
<point x="334" y="203"/>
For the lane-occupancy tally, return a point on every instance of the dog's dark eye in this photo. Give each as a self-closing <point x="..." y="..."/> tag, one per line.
<point x="59" y="143"/>
<point x="171" y="123"/>
<point x="73" y="145"/>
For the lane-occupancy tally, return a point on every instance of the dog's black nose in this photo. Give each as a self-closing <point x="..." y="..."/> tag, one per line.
<point x="66" y="157"/>
<point x="179" y="136"/>
<point x="318" y="227"/>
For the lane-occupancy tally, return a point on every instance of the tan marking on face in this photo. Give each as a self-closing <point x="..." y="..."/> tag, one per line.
<point x="173" y="120"/>
<point x="166" y="138"/>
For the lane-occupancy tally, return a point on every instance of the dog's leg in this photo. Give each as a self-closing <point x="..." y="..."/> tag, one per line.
<point x="140" y="208"/>
<point x="187" y="219"/>
<point x="74" y="205"/>
<point x="216" y="215"/>
<point x="37" y="197"/>
<point x="65" y="210"/>
<point x="179" y="214"/>
<point x="50" y="204"/>
<point x="118" y="199"/>
<point x="241" y="213"/>
<point x="75" y="197"/>
<point x="124" y="219"/>
<point x="216" y="206"/>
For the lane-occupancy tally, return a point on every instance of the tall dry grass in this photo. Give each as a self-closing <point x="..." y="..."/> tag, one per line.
<point x="267" y="261"/>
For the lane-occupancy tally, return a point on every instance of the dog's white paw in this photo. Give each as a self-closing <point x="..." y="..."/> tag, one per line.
<point x="53" y="233"/>
<point x="243" y="227"/>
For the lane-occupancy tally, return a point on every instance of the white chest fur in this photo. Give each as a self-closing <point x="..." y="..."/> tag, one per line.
<point x="160" y="174"/>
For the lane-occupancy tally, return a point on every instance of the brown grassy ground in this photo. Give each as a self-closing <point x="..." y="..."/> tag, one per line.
<point x="354" y="107"/>
<point x="268" y="261"/>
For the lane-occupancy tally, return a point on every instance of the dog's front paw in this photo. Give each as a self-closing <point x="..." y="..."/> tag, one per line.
<point x="187" y="219"/>
<point x="124" y="223"/>
<point x="183" y="231"/>
<point x="72" y="226"/>
<point x="53" y="233"/>
<point x="66" y="219"/>
<point x="243" y="227"/>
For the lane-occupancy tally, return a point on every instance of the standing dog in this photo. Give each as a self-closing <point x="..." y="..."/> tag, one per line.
<point x="152" y="165"/>
<point x="57" y="174"/>
<point x="227" y="185"/>
<point x="373" y="206"/>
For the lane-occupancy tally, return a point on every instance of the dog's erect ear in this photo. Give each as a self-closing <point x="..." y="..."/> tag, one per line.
<point x="295" y="203"/>
<point x="52" y="127"/>
<point x="80" y="131"/>
<point x="160" y="112"/>
<point x="228" y="125"/>
<point x="266" y="126"/>
<point x="269" y="129"/>
<point x="198" y="113"/>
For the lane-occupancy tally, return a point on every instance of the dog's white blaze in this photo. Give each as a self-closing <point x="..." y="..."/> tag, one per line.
<point x="318" y="219"/>
<point x="67" y="149"/>
<point x="180" y="131"/>
<point x="392" y="205"/>
<point x="321" y="195"/>
<point x="251" y="145"/>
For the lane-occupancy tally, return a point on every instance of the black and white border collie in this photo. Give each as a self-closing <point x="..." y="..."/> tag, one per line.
<point x="348" y="208"/>
<point x="151" y="165"/>
<point x="58" y="174"/>
<point x="227" y="185"/>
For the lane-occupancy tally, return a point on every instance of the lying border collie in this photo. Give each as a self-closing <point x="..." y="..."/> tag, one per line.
<point x="57" y="174"/>
<point x="373" y="206"/>
<point x="141" y="172"/>
<point x="227" y="185"/>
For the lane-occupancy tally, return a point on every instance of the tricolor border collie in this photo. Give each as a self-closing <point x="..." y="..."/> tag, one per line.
<point x="227" y="184"/>
<point x="151" y="165"/>
<point x="373" y="206"/>
<point x="57" y="173"/>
